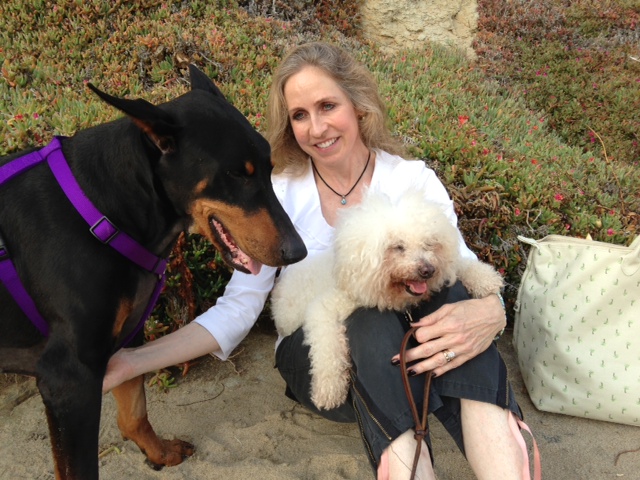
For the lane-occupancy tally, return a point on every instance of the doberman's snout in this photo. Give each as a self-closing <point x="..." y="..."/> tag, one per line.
<point x="293" y="250"/>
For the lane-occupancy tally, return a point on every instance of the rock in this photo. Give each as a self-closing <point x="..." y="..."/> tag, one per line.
<point x="396" y="24"/>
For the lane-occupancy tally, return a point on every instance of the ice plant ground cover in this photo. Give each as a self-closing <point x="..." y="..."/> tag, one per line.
<point x="538" y="136"/>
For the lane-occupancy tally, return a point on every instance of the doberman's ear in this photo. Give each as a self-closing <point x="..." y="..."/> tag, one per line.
<point x="155" y="122"/>
<point x="199" y="81"/>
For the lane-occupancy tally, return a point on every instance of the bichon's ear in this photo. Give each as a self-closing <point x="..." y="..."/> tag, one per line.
<point x="360" y="271"/>
<point x="360" y="241"/>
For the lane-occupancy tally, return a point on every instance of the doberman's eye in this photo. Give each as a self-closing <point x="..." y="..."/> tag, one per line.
<point x="248" y="171"/>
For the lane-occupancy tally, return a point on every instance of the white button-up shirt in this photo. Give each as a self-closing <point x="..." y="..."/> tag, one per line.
<point x="230" y="320"/>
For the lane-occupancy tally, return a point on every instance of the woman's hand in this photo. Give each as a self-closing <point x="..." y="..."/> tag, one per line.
<point x="119" y="370"/>
<point x="465" y="328"/>
<point x="187" y="343"/>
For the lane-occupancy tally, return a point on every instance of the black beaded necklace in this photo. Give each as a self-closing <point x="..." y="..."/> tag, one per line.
<point x="344" y="197"/>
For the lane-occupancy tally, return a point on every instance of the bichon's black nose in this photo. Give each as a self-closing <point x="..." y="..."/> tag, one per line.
<point x="426" y="270"/>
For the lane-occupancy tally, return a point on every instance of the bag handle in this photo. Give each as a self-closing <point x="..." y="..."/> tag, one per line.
<point x="631" y="261"/>
<point x="528" y="241"/>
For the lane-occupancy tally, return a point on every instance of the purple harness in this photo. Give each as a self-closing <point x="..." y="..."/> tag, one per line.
<point x="99" y="226"/>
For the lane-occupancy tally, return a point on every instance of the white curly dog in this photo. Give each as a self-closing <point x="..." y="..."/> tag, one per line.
<point x="388" y="254"/>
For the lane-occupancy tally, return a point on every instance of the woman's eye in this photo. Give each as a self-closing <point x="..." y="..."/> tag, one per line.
<point x="297" y="116"/>
<point x="328" y="106"/>
<point x="399" y="248"/>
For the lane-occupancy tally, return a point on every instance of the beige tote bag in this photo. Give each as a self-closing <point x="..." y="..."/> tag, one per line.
<point x="577" y="328"/>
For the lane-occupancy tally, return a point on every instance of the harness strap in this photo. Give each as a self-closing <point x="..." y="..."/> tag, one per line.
<point x="147" y="313"/>
<point x="9" y="277"/>
<point x="24" y="163"/>
<point x="99" y="225"/>
<point x="8" y="274"/>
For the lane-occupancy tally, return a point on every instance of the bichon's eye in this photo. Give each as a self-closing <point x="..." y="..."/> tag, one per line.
<point x="398" y="247"/>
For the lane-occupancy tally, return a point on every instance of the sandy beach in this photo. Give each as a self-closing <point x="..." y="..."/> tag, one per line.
<point x="243" y="427"/>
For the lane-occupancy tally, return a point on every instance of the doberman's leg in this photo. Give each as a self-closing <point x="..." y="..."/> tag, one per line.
<point x="71" y="392"/>
<point x="134" y="425"/>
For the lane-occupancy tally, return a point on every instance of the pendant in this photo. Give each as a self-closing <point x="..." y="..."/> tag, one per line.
<point x="343" y="201"/>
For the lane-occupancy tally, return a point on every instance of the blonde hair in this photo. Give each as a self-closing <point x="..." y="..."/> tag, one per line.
<point x="352" y="77"/>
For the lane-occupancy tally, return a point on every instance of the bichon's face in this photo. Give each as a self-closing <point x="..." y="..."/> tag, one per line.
<point x="414" y="268"/>
<point x="392" y="255"/>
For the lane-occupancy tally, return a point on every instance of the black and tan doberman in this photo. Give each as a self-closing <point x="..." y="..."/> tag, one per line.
<point x="148" y="176"/>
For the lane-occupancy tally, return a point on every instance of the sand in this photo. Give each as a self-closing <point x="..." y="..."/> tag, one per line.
<point x="243" y="426"/>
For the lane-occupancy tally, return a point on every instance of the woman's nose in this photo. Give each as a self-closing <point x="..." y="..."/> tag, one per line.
<point x="318" y="126"/>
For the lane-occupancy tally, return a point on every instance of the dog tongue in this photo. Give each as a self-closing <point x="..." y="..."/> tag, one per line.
<point x="417" y="288"/>
<point x="252" y="265"/>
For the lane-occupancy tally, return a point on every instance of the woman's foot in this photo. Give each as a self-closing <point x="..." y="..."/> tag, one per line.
<point x="396" y="461"/>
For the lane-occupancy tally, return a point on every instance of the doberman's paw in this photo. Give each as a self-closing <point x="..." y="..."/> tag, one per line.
<point x="173" y="452"/>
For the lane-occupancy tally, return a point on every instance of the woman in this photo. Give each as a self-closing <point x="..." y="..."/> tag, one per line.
<point x="326" y="126"/>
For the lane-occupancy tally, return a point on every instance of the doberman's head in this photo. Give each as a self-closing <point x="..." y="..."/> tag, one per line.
<point x="215" y="169"/>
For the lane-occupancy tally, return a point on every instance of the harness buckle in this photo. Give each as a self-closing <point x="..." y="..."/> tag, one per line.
<point x="104" y="230"/>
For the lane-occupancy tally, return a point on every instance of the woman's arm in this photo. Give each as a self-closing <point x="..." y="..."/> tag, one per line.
<point x="189" y="342"/>
<point x="218" y="330"/>
<point x="466" y="328"/>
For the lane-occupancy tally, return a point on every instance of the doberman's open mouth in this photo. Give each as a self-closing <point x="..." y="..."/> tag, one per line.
<point x="231" y="253"/>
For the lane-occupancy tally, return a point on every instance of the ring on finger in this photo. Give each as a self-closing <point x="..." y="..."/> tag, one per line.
<point x="448" y="355"/>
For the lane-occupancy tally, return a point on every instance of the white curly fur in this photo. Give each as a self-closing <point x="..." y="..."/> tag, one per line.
<point x="387" y="254"/>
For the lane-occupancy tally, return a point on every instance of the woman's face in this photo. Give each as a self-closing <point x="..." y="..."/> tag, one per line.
<point x="323" y="119"/>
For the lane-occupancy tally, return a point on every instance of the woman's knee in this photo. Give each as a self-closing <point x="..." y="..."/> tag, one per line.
<point x="374" y="336"/>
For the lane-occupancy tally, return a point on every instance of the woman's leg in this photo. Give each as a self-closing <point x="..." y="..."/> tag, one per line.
<point x="502" y="456"/>
<point x="396" y="462"/>
<point x="292" y="361"/>
<point x="376" y="398"/>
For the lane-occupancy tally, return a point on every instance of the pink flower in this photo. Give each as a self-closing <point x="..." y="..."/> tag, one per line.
<point x="36" y="116"/>
<point x="558" y="197"/>
<point x="517" y="212"/>
<point x="610" y="232"/>
<point x="462" y="119"/>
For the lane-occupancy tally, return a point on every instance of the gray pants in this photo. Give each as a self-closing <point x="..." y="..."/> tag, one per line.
<point x="377" y="400"/>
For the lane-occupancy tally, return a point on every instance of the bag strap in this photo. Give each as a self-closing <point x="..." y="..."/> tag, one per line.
<point x="631" y="261"/>
<point x="528" y="241"/>
<point x="421" y="428"/>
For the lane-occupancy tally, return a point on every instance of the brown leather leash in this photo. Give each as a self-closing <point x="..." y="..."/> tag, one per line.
<point x="421" y="427"/>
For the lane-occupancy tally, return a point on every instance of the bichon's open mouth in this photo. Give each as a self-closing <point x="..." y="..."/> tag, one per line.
<point x="415" y="288"/>
<point x="231" y="253"/>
